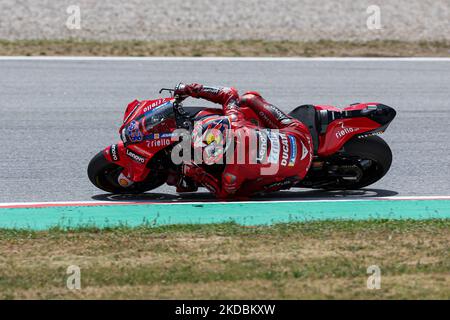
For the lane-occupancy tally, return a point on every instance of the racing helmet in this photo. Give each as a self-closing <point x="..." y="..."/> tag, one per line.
<point x="211" y="135"/>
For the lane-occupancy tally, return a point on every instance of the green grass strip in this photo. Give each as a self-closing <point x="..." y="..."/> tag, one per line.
<point x="229" y="48"/>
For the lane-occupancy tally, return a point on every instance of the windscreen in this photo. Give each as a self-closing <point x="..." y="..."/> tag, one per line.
<point x="158" y="115"/>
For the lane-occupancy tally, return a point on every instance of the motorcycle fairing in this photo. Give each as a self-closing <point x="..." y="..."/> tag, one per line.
<point x="141" y="118"/>
<point x="133" y="159"/>
<point x="147" y="128"/>
<point x="360" y="119"/>
<point x="341" y="131"/>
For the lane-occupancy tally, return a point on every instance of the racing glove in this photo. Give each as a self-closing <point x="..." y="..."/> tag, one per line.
<point x="191" y="90"/>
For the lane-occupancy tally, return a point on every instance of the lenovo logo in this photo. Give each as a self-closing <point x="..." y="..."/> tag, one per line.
<point x="135" y="156"/>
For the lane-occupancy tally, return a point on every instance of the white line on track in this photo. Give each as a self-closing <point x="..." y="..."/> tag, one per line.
<point x="206" y="59"/>
<point x="93" y="203"/>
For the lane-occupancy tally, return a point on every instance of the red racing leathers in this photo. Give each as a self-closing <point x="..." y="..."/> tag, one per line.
<point x="285" y="142"/>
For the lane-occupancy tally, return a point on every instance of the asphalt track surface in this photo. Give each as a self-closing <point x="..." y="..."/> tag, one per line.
<point x="56" y="114"/>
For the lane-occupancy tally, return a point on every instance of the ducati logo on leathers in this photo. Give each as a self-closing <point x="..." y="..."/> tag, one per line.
<point x="304" y="152"/>
<point x="285" y="155"/>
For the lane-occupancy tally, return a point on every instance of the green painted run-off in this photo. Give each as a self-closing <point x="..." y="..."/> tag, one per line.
<point x="254" y="213"/>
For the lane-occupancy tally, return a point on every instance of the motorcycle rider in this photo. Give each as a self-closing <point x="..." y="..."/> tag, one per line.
<point x="284" y="142"/>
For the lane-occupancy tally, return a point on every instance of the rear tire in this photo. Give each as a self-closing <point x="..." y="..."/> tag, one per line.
<point x="103" y="174"/>
<point x="372" y="148"/>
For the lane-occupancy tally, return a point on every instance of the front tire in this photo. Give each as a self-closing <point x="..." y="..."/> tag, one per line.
<point x="103" y="174"/>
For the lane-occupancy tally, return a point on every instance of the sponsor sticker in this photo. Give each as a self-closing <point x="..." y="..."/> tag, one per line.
<point x="153" y="106"/>
<point x="123" y="136"/>
<point x="343" y="131"/>
<point x="158" y="143"/>
<point x="167" y="135"/>
<point x="305" y="151"/>
<point x="293" y="154"/>
<point x="114" y="153"/>
<point x="274" y="155"/>
<point x="135" y="157"/>
<point x="156" y="136"/>
<point x="262" y="146"/>
<point x="277" y="113"/>
<point x="212" y="90"/>
<point x="133" y="131"/>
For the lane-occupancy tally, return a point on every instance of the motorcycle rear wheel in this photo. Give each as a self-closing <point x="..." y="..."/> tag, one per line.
<point x="373" y="149"/>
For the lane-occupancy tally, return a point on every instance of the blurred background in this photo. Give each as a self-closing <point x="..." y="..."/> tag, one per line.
<point x="298" y="20"/>
<point x="286" y="27"/>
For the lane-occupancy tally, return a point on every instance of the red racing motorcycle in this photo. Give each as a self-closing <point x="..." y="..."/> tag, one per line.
<point x="348" y="153"/>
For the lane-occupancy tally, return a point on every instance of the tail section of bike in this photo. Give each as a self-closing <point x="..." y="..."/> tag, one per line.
<point x="348" y="154"/>
<point x="359" y="120"/>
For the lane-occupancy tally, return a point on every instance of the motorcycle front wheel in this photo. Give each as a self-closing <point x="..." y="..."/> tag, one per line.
<point x="103" y="174"/>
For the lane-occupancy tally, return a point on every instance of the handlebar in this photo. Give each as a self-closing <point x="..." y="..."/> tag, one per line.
<point x="166" y="89"/>
<point x="172" y="93"/>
